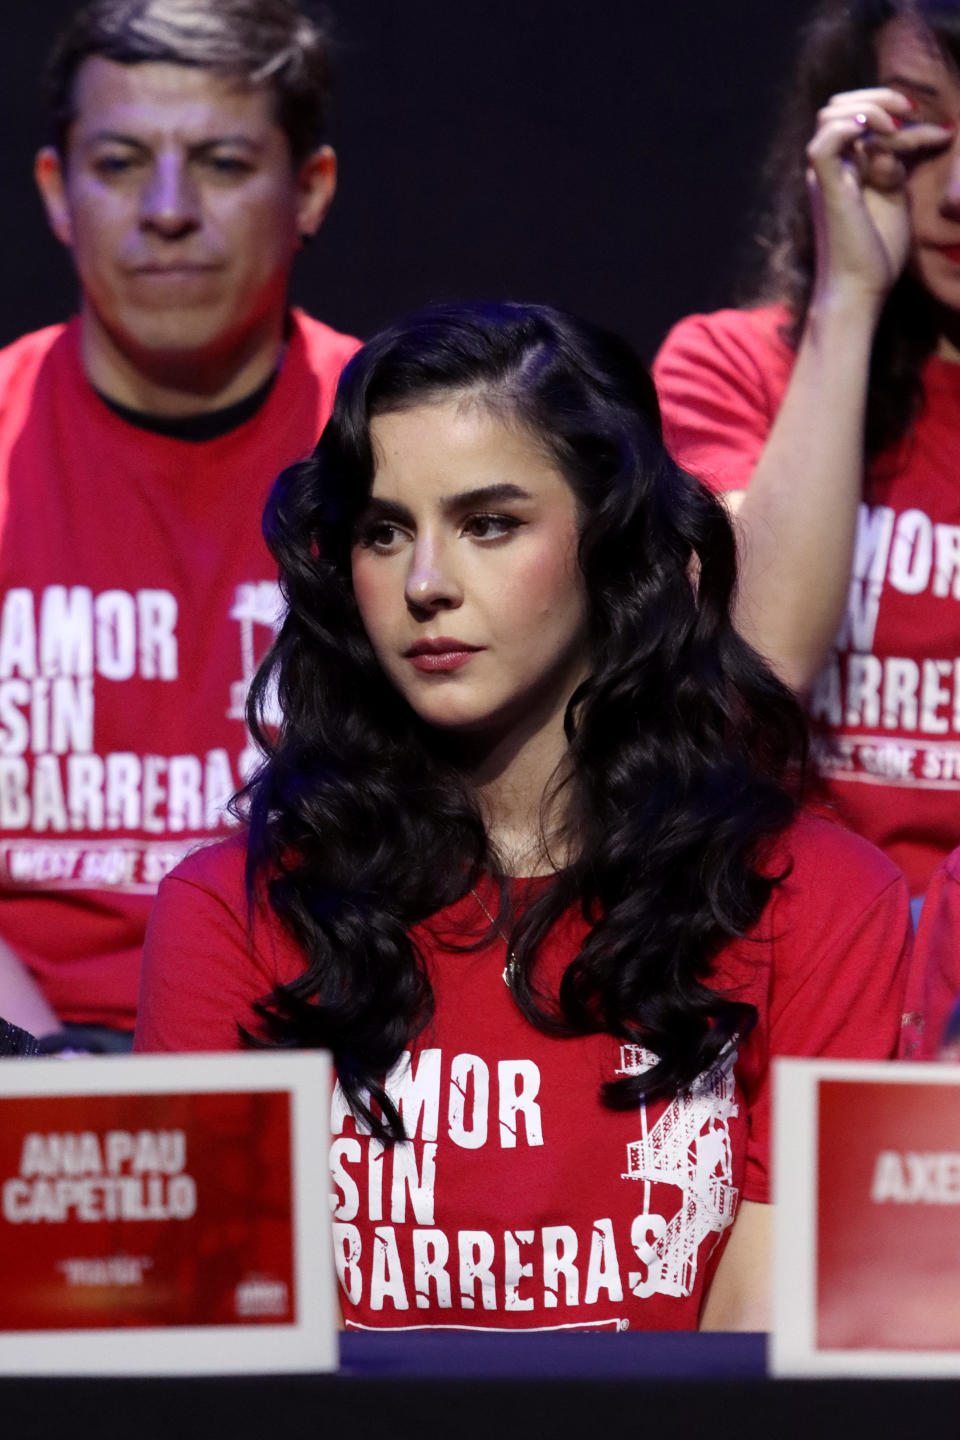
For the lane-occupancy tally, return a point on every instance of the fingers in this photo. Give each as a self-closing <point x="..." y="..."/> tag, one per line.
<point x="874" y="134"/>
<point x="922" y="135"/>
<point x="857" y="172"/>
<point x="847" y="121"/>
<point x="880" y="107"/>
<point x="883" y="171"/>
<point x="846" y="143"/>
<point x="882" y="117"/>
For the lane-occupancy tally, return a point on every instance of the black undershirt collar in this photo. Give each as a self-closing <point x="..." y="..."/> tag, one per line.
<point x="195" y="428"/>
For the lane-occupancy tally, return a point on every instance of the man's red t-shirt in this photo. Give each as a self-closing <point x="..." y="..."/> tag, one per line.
<point x="136" y="599"/>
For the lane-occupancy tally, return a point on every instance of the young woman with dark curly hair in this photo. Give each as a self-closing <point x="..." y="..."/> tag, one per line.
<point x="526" y="853"/>
<point x="830" y="413"/>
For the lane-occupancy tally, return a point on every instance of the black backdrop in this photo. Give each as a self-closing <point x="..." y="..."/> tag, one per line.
<point x="598" y="154"/>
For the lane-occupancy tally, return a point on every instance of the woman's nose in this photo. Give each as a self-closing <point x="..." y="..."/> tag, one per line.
<point x="432" y="583"/>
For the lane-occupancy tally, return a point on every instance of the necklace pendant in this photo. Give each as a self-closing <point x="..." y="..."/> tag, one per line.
<point x="509" y="970"/>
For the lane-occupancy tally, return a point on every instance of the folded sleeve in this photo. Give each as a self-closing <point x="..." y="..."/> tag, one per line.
<point x="207" y="958"/>
<point x="720" y="380"/>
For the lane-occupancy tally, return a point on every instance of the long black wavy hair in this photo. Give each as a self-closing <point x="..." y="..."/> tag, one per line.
<point x="684" y="747"/>
<point x="838" y="52"/>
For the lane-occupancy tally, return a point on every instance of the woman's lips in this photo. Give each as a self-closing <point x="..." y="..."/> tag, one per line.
<point x="433" y="656"/>
<point x="951" y="252"/>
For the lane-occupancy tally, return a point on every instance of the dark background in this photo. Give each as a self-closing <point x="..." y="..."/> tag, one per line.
<point x="601" y="155"/>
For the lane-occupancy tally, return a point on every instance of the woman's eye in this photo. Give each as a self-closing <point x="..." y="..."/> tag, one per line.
<point x="380" y="535"/>
<point x="490" y="527"/>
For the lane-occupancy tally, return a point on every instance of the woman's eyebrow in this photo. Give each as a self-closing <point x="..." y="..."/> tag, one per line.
<point x="378" y="509"/>
<point x="484" y="495"/>
<point x="907" y="82"/>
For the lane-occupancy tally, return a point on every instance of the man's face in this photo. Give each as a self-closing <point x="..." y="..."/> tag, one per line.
<point x="179" y="201"/>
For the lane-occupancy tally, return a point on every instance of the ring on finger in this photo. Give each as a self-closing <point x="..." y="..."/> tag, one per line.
<point x="861" y="120"/>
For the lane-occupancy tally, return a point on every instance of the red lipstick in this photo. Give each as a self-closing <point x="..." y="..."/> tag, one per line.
<point x="439" y="656"/>
<point x="952" y="252"/>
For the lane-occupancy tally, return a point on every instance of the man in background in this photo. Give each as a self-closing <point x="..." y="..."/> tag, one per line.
<point x="137" y="445"/>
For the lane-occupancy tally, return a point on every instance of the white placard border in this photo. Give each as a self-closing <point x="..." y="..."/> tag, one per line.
<point x="792" y="1348"/>
<point x="308" y="1344"/>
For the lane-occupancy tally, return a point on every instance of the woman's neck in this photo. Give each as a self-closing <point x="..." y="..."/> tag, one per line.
<point x="519" y="785"/>
<point x="948" y="345"/>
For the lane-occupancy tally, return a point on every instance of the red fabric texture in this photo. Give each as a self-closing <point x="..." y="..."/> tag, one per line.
<point x="889" y="696"/>
<point x="520" y="1201"/>
<point x="137" y="595"/>
<point x="934" y="982"/>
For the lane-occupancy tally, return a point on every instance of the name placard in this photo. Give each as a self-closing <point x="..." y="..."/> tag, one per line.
<point x="165" y="1215"/>
<point x="867" y="1227"/>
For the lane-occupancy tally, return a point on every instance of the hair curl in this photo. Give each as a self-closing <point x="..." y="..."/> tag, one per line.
<point x="838" y="53"/>
<point x="685" y="748"/>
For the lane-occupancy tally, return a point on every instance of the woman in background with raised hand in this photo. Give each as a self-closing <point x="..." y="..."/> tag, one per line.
<point x="526" y="853"/>
<point x="830" y="414"/>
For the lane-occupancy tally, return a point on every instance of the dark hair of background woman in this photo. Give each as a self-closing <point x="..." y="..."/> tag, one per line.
<point x="837" y="53"/>
<point x="685" y="747"/>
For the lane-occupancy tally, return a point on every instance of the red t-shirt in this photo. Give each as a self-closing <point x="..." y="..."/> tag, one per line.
<point x="934" y="983"/>
<point x="889" y="696"/>
<point x="520" y="1201"/>
<point x="136" y="598"/>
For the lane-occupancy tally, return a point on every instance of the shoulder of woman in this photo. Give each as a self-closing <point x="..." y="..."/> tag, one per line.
<point x="758" y="328"/>
<point x="217" y="867"/>
<point x="822" y="860"/>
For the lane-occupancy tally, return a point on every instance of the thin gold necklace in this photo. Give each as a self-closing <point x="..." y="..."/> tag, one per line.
<point x="510" y="969"/>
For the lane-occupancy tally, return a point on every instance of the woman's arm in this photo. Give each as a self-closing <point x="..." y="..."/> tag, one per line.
<point x="739" y="1297"/>
<point x="797" y="519"/>
<point x="796" y="523"/>
<point x="22" y="1002"/>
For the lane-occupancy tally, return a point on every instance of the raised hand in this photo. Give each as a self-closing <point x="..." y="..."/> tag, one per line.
<point x="859" y="162"/>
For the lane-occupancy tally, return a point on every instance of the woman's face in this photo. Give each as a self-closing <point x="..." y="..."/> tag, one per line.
<point x="909" y="60"/>
<point x="465" y="571"/>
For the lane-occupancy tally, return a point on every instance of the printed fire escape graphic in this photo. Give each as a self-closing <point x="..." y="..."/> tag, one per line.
<point x="689" y="1146"/>
<point x="256" y="603"/>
